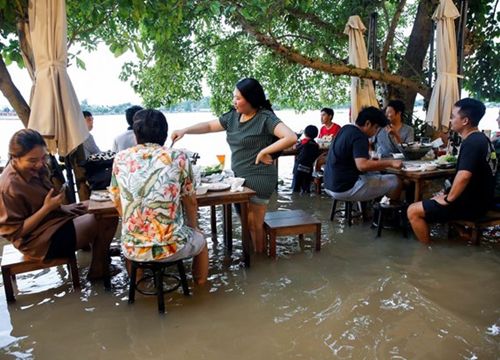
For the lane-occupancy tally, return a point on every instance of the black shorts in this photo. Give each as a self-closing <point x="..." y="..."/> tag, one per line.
<point x="63" y="242"/>
<point x="435" y="212"/>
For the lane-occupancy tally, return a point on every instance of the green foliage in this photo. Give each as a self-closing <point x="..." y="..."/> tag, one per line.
<point x="183" y="45"/>
<point x="482" y="78"/>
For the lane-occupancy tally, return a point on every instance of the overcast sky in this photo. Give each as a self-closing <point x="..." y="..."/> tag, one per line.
<point x="98" y="84"/>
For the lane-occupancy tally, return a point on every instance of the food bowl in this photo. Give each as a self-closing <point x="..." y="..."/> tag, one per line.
<point x="201" y="190"/>
<point x="235" y="182"/>
<point x="414" y="152"/>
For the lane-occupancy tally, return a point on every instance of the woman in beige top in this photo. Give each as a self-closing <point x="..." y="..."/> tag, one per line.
<point x="33" y="217"/>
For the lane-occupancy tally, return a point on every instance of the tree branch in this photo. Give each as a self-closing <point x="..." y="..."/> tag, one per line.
<point x="314" y="19"/>
<point x="13" y="95"/>
<point x="334" y="69"/>
<point x="390" y="35"/>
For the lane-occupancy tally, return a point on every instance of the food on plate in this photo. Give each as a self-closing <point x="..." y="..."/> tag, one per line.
<point x="214" y="169"/>
<point x="446" y="159"/>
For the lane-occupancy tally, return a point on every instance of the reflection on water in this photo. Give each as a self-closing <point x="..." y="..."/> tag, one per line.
<point x="360" y="297"/>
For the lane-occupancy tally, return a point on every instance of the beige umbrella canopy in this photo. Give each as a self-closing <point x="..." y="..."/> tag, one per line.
<point x="445" y="92"/>
<point x="55" y="110"/>
<point x="362" y="90"/>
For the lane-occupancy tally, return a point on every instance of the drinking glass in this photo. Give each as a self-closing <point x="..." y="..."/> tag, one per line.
<point x="222" y="159"/>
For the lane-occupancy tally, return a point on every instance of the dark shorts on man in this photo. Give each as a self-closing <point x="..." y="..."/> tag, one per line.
<point x="63" y="242"/>
<point x="435" y="212"/>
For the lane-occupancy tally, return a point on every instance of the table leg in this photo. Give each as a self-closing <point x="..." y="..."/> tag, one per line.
<point x="213" y="223"/>
<point x="418" y="190"/>
<point x="228" y="228"/>
<point x="318" y="237"/>
<point x="245" y="234"/>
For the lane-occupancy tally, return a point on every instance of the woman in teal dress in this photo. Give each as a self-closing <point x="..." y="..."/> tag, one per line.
<point x="252" y="129"/>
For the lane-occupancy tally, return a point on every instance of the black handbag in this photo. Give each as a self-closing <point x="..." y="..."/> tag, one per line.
<point x="98" y="168"/>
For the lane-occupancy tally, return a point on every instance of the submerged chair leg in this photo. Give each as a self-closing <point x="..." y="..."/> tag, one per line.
<point x="334" y="209"/>
<point x="182" y="275"/>
<point x="379" y="222"/>
<point x="131" y="287"/>
<point x="348" y="212"/>
<point x="158" y="278"/>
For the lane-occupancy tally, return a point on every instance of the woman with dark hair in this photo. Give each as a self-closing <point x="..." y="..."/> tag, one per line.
<point x="33" y="217"/>
<point x="152" y="187"/>
<point x="251" y="128"/>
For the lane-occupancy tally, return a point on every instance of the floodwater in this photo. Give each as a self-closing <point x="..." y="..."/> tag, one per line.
<point x="360" y="297"/>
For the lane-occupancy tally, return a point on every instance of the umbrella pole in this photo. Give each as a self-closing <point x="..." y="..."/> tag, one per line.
<point x="431" y="55"/>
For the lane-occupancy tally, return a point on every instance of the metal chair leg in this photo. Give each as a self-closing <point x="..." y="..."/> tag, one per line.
<point x="158" y="278"/>
<point x="133" y="279"/>
<point x="334" y="209"/>
<point x="182" y="274"/>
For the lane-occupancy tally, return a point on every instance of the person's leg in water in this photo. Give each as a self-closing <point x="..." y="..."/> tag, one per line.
<point x="98" y="233"/>
<point x="256" y="214"/>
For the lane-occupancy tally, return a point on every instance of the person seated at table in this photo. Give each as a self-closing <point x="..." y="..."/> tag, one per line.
<point x="89" y="145"/>
<point x="348" y="165"/>
<point x="307" y="153"/>
<point x="388" y="138"/>
<point x="127" y="139"/>
<point x="32" y="214"/>
<point x="329" y="128"/>
<point x="152" y="186"/>
<point x="471" y="193"/>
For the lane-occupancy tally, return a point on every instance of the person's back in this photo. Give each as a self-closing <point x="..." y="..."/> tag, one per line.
<point x="308" y="152"/>
<point x="152" y="187"/>
<point x="340" y="170"/>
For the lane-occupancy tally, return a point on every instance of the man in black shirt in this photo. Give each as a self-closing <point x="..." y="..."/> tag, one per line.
<point x="471" y="193"/>
<point x="348" y="161"/>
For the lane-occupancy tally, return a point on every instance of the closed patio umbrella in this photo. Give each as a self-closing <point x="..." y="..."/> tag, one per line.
<point x="445" y="92"/>
<point x="55" y="110"/>
<point x="362" y="90"/>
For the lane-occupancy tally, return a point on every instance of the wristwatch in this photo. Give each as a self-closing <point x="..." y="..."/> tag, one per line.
<point x="446" y="200"/>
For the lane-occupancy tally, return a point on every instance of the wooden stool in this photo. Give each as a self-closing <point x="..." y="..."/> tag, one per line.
<point x="347" y="211"/>
<point x="291" y="222"/>
<point x="157" y="267"/>
<point x="491" y="218"/>
<point x="393" y="207"/>
<point x="14" y="262"/>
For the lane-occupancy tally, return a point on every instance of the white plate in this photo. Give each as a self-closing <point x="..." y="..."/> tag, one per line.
<point x="218" y="186"/>
<point x="412" y="169"/>
<point x="100" y="196"/>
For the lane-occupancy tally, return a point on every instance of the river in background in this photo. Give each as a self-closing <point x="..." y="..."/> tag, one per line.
<point x="360" y="297"/>
<point x="106" y="127"/>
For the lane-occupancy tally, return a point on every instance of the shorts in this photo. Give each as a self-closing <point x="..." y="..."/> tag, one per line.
<point x="435" y="212"/>
<point x="62" y="242"/>
<point x="368" y="187"/>
<point x="259" y="200"/>
<point x="192" y="248"/>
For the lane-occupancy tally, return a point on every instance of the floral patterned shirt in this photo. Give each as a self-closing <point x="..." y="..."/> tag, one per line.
<point x="148" y="183"/>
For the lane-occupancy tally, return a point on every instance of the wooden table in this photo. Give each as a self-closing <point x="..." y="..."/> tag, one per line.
<point x="224" y="198"/>
<point x="418" y="177"/>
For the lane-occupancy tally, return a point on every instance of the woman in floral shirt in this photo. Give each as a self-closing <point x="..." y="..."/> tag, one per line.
<point x="150" y="186"/>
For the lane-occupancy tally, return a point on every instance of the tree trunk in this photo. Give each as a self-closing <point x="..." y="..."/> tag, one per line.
<point x="10" y="91"/>
<point x="413" y="62"/>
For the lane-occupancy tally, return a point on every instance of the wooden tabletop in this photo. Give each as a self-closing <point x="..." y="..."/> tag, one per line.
<point x="208" y="199"/>
<point x="432" y="174"/>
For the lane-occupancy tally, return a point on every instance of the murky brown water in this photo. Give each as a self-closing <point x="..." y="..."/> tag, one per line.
<point x="359" y="298"/>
